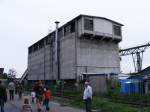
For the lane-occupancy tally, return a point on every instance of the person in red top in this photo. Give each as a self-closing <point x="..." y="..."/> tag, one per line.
<point x="47" y="96"/>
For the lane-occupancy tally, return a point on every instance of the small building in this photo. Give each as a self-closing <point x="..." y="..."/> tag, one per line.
<point x="99" y="82"/>
<point x="144" y="80"/>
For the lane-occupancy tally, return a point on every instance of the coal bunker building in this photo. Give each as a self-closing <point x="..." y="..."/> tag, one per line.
<point x="86" y="44"/>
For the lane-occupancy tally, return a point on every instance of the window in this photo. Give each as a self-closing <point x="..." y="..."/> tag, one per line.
<point x="69" y="28"/>
<point x="53" y="37"/>
<point x="35" y="47"/>
<point x="117" y="30"/>
<point x="88" y="24"/>
<point x="60" y="33"/>
<point x="72" y="27"/>
<point x="47" y="40"/>
<point x="41" y="44"/>
<point x="30" y="50"/>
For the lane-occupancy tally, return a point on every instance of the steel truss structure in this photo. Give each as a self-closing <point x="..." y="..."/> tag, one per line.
<point x="137" y="55"/>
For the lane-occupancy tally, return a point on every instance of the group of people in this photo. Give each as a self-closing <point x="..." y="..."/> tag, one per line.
<point x="42" y="94"/>
<point x="15" y="88"/>
<point x="11" y="88"/>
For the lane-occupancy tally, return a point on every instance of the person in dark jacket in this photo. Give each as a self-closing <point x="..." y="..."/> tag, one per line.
<point x="11" y="87"/>
<point x="3" y="96"/>
<point x="20" y="90"/>
<point x="38" y="88"/>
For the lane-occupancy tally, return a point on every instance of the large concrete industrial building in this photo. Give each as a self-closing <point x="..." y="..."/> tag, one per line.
<point x="86" y="44"/>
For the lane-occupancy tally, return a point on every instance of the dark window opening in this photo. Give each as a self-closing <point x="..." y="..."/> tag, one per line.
<point x="60" y="33"/>
<point x="88" y="24"/>
<point x="117" y="30"/>
<point x="72" y="27"/>
<point x="53" y="36"/>
<point x="30" y="50"/>
<point x="35" y="47"/>
<point x="47" y="40"/>
<point x="41" y="44"/>
<point x="69" y="28"/>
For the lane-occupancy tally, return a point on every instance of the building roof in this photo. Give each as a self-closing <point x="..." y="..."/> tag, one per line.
<point x="78" y="17"/>
<point x="144" y="74"/>
<point x="102" y="18"/>
<point x="99" y="74"/>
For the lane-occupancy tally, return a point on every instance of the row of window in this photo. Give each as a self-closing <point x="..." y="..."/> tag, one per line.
<point x="68" y="29"/>
<point x="39" y="45"/>
<point x="88" y="25"/>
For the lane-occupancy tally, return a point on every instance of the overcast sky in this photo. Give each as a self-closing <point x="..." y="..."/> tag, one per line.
<point x="23" y="22"/>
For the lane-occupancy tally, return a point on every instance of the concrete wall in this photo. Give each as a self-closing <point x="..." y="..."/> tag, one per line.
<point x="103" y="26"/>
<point x="95" y="56"/>
<point x="67" y="57"/>
<point x="98" y="83"/>
<point x="80" y="26"/>
<point x="39" y="64"/>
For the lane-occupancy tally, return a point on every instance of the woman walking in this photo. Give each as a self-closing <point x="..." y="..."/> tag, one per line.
<point x="47" y="96"/>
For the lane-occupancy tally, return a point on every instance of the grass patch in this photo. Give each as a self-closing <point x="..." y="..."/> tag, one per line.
<point x="105" y="105"/>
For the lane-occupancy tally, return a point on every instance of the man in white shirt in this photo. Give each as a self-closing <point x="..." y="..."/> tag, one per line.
<point x="87" y="96"/>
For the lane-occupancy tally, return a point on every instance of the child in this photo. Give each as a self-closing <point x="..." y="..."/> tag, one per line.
<point x="47" y="96"/>
<point x="26" y="106"/>
<point x="33" y="96"/>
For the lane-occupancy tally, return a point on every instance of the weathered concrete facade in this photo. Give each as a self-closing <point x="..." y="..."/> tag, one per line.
<point x="86" y="44"/>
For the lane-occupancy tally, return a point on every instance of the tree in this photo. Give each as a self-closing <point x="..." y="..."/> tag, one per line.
<point x="12" y="73"/>
<point x="4" y="76"/>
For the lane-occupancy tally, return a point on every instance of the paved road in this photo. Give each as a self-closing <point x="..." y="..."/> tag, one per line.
<point x="11" y="108"/>
<point x="16" y="106"/>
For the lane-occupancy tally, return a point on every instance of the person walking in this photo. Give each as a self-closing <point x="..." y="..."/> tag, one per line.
<point x="33" y="96"/>
<point x="39" y="95"/>
<point x="11" y="87"/>
<point x="3" y="97"/>
<point x="47" y="96"/>
<point x="19" y="90"/>
<point x="87" y="97"/>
